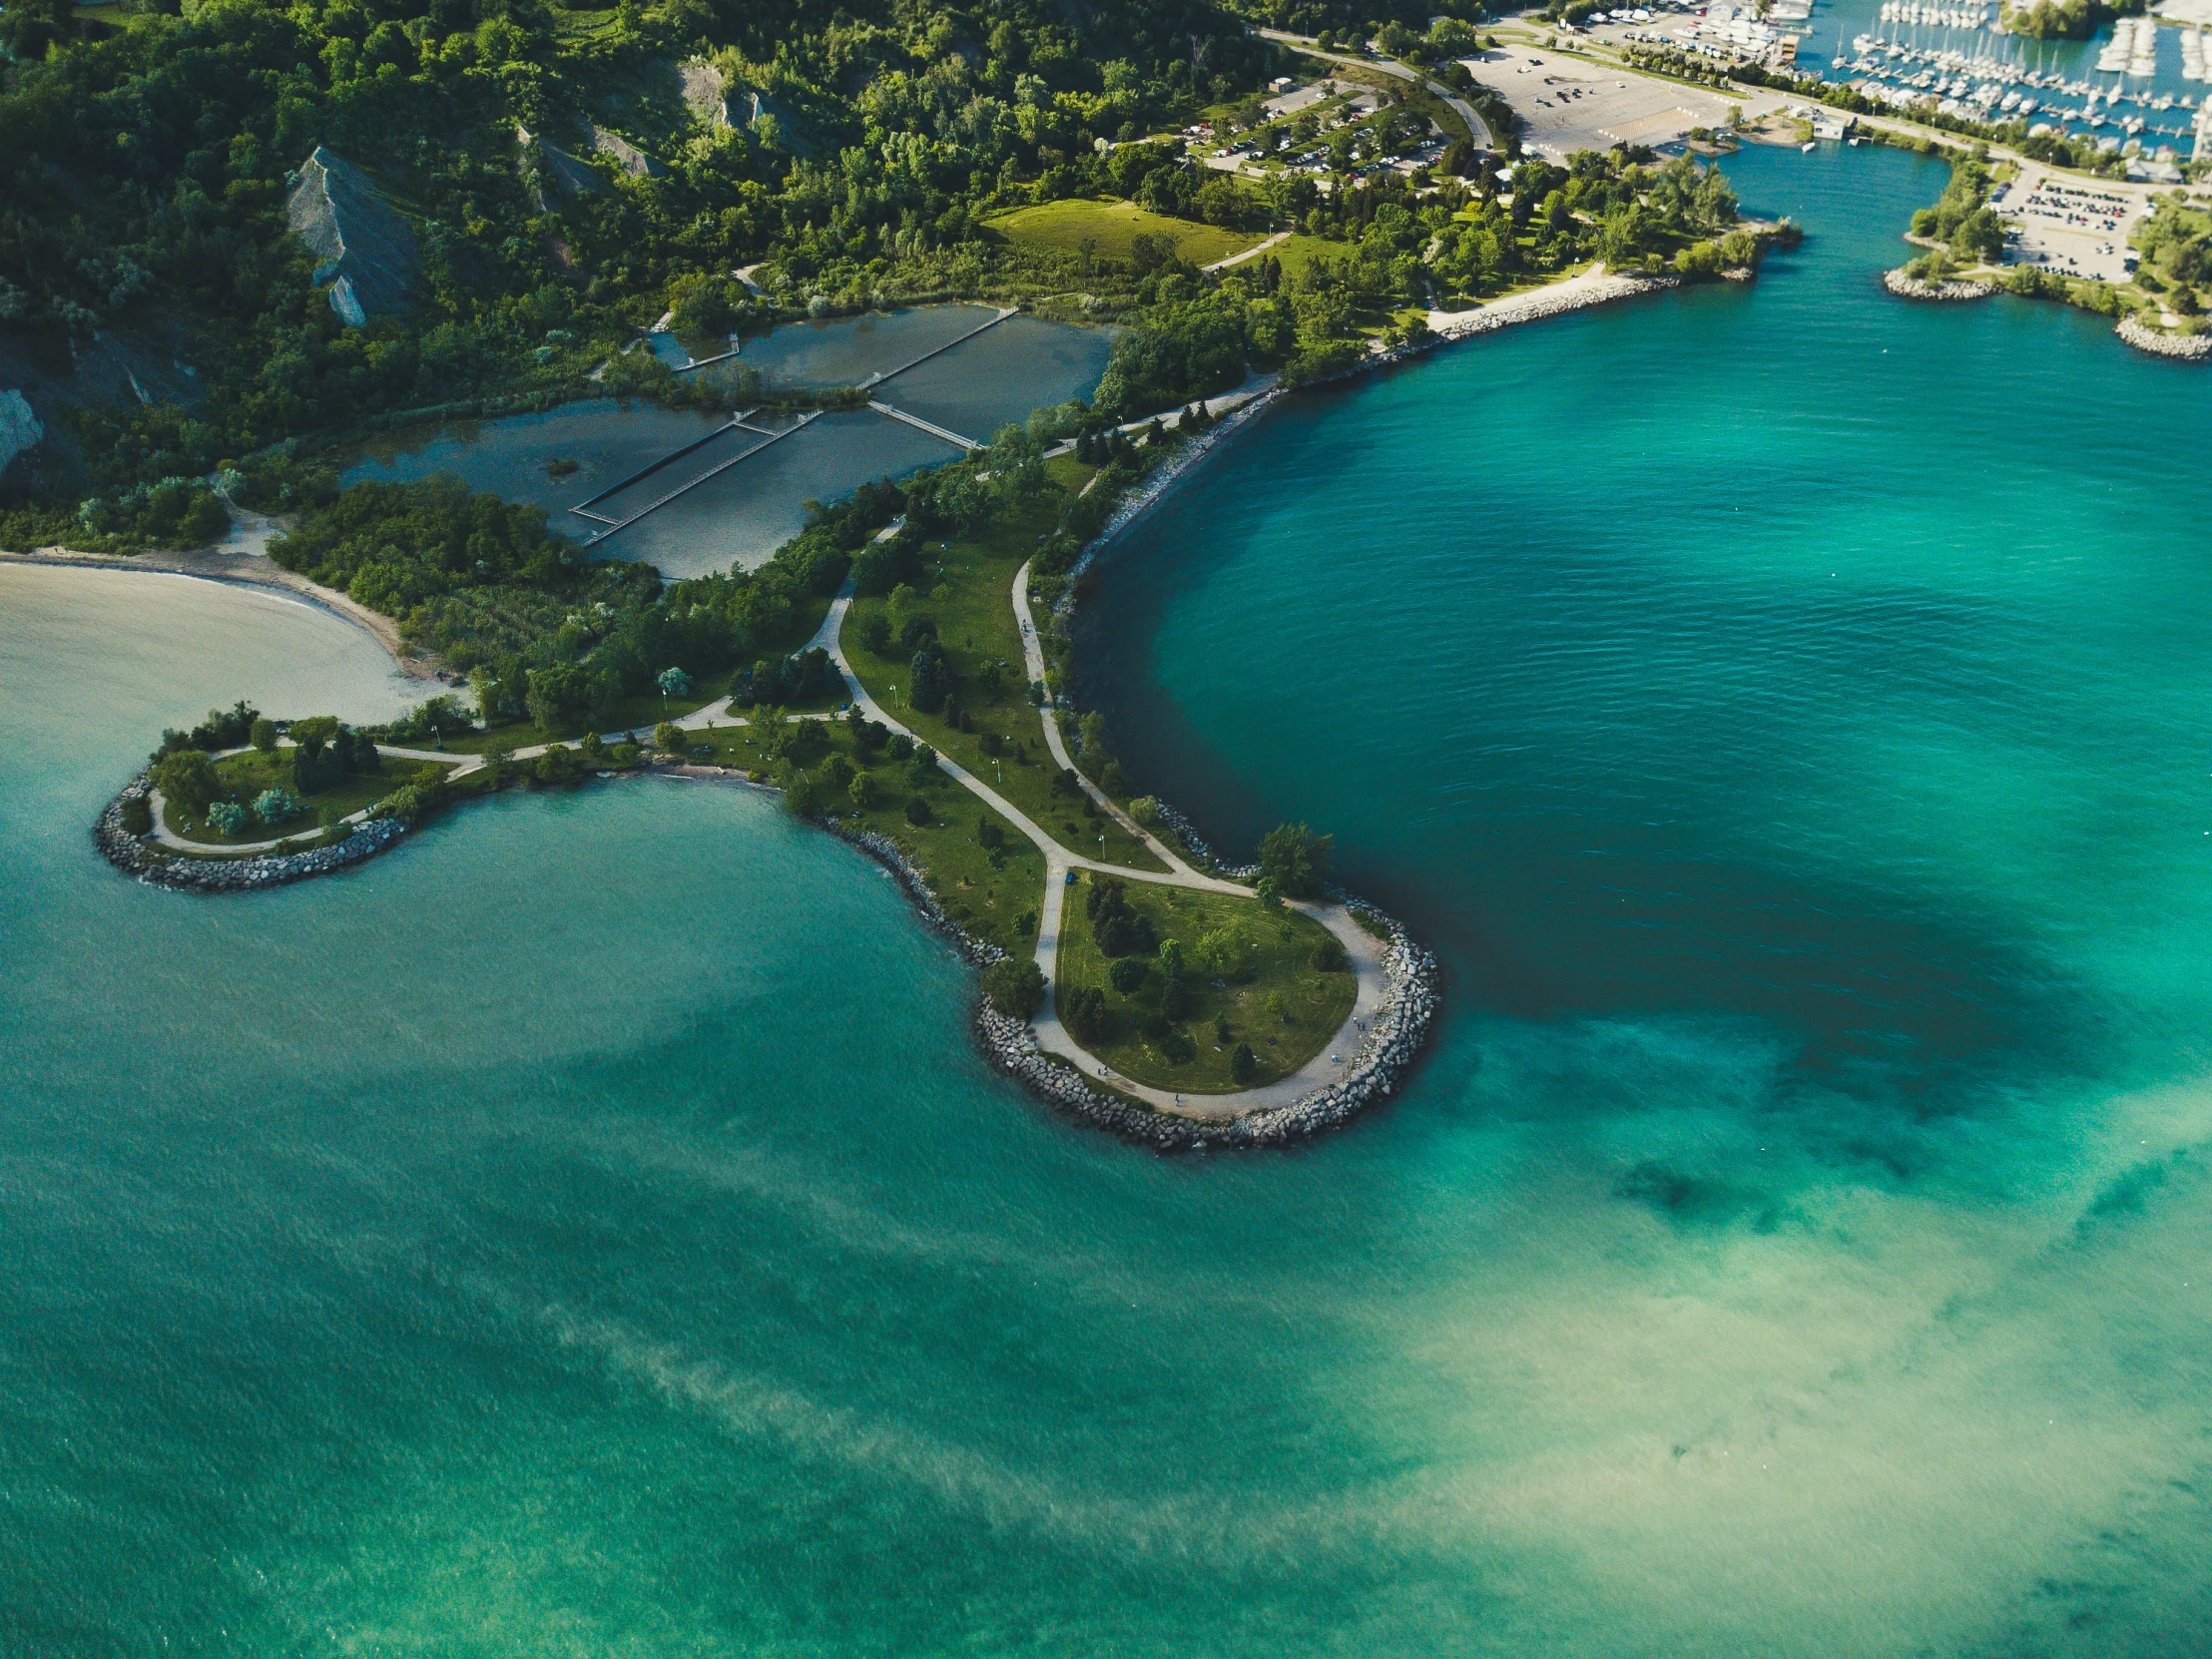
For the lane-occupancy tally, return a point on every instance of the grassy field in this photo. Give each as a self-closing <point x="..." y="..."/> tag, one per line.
<point x="1301" y="250"/>
<point x="1277" y="1000"/>
<point x="976" y="626"/>
<point x="248" y="773"/>
<point x="1111" y="226"/>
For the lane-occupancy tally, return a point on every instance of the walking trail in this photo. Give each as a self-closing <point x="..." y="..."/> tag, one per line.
<point x="1053" y="1037"/>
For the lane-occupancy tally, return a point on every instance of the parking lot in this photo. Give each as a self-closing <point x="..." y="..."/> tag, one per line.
<point x="1571" y="104"/>
<point x="2076" y="227"/>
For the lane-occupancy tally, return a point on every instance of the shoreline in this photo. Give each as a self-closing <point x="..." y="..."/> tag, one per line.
<point x="240" y="570"/>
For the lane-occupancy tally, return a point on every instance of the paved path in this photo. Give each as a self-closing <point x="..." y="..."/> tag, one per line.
<point x="1477" y="129"/>
<point x="1060" y="863"/>
<point x="461" y="763"/>
<point x="1252" y="252"/>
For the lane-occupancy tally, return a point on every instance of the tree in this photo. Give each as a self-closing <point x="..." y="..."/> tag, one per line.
<point x="559" y="765"/>
<point x="1091" y="738"/>
<point x="227" y="817"/>
<point x="1015" y="986"/>
<point x="673" y="682"/>
<point x="932" y="677"/>
<point x="137" y="816"/>
<point x="28" y="27"/>
<point x="922" y="768"/>
<point x="668" y="738"/>
<point x="1127" y="974"/>
<point x="1296" y="860"/>
<point x="1243" y="1065"/>
<point x="265" y="735"/>
<point x="801" y="793"/>
<point x="864" y="792"/>
<point x="189" y="779"/>
<point x="1084" y="1012"/>
<point x="919" y="811"/>
<point x="1330" y="956"/>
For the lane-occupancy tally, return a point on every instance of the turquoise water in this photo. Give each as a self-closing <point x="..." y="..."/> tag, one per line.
<point x="590" y="1230"/>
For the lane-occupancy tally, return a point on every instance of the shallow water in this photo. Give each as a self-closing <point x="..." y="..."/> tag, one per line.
<point x="590" y="1227"/>
<point x="741" y="514"/>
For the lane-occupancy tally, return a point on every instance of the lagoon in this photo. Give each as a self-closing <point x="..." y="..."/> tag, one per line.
<point x="591" y="1227"/>
<point x="740" y="515"/>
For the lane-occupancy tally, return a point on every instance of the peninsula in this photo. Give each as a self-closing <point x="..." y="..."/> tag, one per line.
<point x="899" y="670"/>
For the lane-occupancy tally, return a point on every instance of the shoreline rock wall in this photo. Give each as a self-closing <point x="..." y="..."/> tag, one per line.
<point x="2188" y="349"/>
<point x="135" y="857"/>
<point x="1395" y="1037"/>
<point x="1911" y="288"/>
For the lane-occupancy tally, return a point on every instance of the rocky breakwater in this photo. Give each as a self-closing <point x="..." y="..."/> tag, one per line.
<point x="1394" y="1036"/>
<point x="2190" y="349"/>
<point x="1911" y="288"/>
<point x="141" y="856"/>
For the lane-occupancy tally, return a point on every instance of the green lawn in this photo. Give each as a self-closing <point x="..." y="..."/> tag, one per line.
<point x="1111" y="227"/>
<point x="253" y="772"/>
<point x="975" y="624"/>
<point x="1278" y="956"/>
<point x="1301" y="250"/>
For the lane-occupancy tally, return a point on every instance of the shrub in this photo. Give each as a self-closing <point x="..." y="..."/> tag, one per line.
<point x="1015" y="986"/>
<point x="1330" y="956"/>
<point x="137" y="816"/>
<point x="410" y="803"/>
<point x="1178" y="1047"/>
<point x="1145" y="809"/>
<point x="668" y="738"/>
<point x="917" y="811"/>
<point x="274" y="806"/>
<point x="227" y="817"/>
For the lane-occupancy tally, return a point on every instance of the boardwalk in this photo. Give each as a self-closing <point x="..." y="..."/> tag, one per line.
<point x="613" y="526"/>
<point x="921" y="426"/>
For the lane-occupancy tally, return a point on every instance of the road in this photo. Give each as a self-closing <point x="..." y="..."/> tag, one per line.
<point x="1476" y="129"/>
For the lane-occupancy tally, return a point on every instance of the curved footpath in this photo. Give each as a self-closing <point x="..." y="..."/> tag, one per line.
<point x="1352" y="1052"/>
